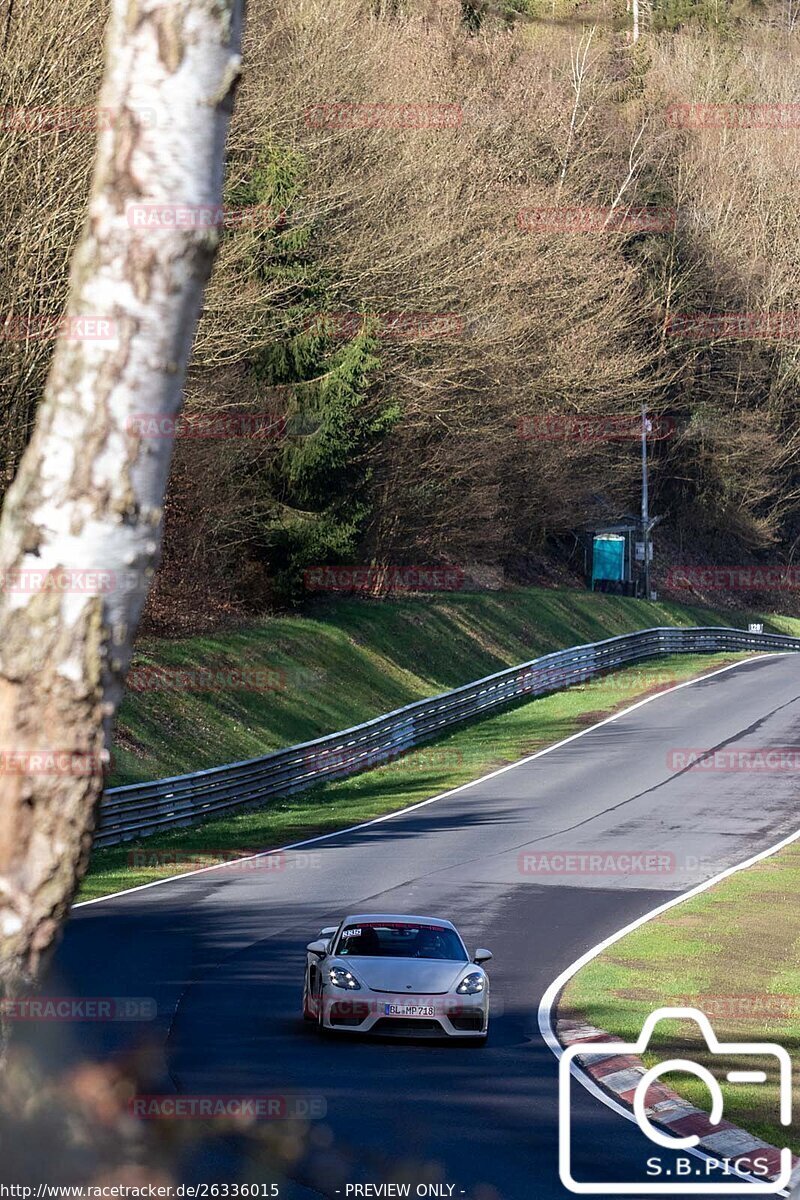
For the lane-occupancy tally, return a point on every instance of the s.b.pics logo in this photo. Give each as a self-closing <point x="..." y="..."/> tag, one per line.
<point x="713" y="1157"/>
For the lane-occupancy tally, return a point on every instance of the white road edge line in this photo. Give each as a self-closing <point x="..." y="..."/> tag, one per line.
<point x="323" y="837"/>
<point x="550" y="997"/>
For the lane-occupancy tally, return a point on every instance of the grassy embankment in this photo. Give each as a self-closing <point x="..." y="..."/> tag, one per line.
<point x="351" y="661"/>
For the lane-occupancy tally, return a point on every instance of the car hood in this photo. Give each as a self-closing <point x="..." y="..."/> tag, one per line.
<point x="425" y="976"/>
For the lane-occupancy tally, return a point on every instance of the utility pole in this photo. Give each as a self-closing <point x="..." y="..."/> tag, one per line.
<point x="635" y="5"/>
<point x="645" y="499"/>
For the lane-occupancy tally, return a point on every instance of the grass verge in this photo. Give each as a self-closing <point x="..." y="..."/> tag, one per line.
<point x="198" y="702"/>
<point x="732" y="952"/>
<point x="466" y="754"/>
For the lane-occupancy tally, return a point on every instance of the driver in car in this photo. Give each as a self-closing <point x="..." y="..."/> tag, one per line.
<point x="430" y="944"/>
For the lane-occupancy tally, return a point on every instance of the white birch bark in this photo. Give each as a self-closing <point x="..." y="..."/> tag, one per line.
<point x="89" y="493"/>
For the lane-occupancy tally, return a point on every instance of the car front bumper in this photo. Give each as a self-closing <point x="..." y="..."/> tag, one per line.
<point x="389" y="1015"/>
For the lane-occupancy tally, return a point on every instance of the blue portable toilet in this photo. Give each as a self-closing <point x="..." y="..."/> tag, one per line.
<point x="608" y="559"/>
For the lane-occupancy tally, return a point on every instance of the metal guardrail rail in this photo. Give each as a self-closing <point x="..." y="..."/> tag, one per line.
<point x="141" y="809"/>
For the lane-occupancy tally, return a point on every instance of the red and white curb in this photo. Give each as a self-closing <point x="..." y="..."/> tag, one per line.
<point x="619" y="1076"/>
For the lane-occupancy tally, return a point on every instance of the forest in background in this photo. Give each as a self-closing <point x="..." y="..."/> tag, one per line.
<point x="412" y="342"/>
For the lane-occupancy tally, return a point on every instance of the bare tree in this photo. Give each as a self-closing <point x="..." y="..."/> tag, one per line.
<point x="635" y="160"/>
<point x="580" y="69"/>
<point x="81" y="528"/>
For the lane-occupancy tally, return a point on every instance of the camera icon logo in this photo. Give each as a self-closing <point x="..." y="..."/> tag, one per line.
<point x="744" y="1050"/>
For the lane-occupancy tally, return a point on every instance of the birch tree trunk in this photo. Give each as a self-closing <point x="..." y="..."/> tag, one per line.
<point x="81" y="528"/>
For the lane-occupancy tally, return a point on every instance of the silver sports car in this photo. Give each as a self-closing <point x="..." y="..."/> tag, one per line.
<point x="396" y="975"/>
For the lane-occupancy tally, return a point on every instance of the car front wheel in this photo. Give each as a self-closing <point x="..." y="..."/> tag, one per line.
<point x="307" y="1013"/>
<point x="322" y="1028"/>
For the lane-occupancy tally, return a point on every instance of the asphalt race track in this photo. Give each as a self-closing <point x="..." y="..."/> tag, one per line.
<point x="222" y="952"/>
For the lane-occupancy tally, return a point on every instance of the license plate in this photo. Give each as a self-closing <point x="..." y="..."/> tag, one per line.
<point x="409" y="1010"/>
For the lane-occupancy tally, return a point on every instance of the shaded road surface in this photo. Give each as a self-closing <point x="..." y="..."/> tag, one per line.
<point x="223" y="952"/>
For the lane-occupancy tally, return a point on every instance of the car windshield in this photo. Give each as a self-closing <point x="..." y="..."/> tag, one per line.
<point x="396" y="939"/>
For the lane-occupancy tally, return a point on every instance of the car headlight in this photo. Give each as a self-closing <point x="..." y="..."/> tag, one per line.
<point x="340" y="977"/>
<point x="471" y="984"/>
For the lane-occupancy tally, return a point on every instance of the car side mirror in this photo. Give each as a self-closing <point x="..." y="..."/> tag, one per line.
<point x="482" y="956"/>
<point x="320" y="948"/>
<point x="329" y="931"/>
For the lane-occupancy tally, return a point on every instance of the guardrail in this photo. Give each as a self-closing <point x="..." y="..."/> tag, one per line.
<point x="141" y="809"/>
